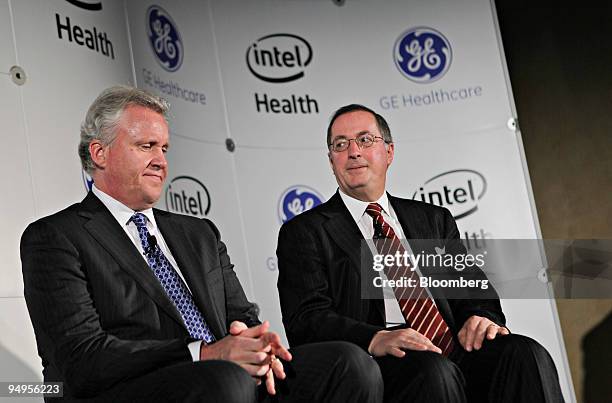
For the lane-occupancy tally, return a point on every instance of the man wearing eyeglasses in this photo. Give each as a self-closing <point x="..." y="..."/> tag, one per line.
<point x="134" y="304"/>
<point x="429" y="348"/>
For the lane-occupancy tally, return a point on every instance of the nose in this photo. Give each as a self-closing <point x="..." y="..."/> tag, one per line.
<point x="159" y="160"/>
<point x="353" y="149"/>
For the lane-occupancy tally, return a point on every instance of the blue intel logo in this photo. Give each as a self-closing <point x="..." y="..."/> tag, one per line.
<point x="164" y="38"/>
<point x="296" y="200"/>
<point x="422" y="54"/>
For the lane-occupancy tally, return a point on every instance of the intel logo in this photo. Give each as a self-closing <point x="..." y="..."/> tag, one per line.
<point x="296" y="200"/>
<point x="187" y="195"/>
<point x="92" y="5"/>
<point x="279" y="58"/>
<point x="87" y="180"/>
<point x="164" y="38"/>
<point x="460" y="191"/>
<point x="422" y="54"/>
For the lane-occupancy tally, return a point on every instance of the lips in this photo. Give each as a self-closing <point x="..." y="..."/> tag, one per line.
<point x="161" y="179"/>
<point x="351" y="168"/>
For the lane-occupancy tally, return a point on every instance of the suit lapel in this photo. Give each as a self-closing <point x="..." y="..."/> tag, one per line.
<point x="108" y="233"/>
<point x="342" y="228"/>
<point x="345" y="232"/>
<point x="414" y="225"/>
<point x="193" y="265"/>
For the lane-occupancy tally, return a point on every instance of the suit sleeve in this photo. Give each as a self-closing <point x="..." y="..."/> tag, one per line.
<point x="305" y="294"/>
<point x="237" y="305"/>
<point x="477" y="302"/>
<point x="67" y="325"/>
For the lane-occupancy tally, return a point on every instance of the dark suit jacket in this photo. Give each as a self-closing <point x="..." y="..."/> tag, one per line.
<point x="321" y="270"/>
<point x="99" y="313"/>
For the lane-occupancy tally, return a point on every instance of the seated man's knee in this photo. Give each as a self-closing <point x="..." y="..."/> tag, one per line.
<point x="354" y="363"/>
<point x="221" y="381"/>
<point x="422" y="376"/>
<point x="437" y="369"/>
<point x="519" y="346"/>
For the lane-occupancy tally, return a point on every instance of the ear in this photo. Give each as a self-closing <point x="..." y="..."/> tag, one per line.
<point x="390" y="153"/>
<point x="331" y="162"/>
<point x="98" y="152"/>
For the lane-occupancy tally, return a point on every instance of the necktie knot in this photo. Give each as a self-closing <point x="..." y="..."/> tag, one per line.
<point x="381" y="228"/>
<point x="140" y="220"/>
<point x="374" y="210"/>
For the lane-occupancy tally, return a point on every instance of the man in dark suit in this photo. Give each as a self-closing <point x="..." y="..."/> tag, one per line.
<point x="430" y="348"/>
<point x="130" y="303"/>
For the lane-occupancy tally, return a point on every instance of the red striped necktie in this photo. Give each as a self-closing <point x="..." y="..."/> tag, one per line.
<point x="415" y="303"/>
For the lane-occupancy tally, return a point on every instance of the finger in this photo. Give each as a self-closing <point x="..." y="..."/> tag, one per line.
<point x="283" y="353"/>
<point x="426" y="347"/>
<point x="270" y="387"/>
<point x="504" y="331"/>
<point x="434" y="348"/>
<point x="277" y="345"/>
<point x="481" y="331"/>
<point x="237" y="327"/>
<point x="412" y="334"/>
<point x="394" y="351"/>
<point x="250" y="357"/>
<point x="256" y="370"/>
<point x="431" y="346"/>
<point x="462" y="336"/>
<point x="278" y="369"/>
<point x="416" y="337"/>
<point x="248" y="344"/>
<point x="277" y="348"/>
<point x="470" y="332"/>
<point x="492" y="331"/>
<point x="415" y="345"/>
<point x="256" y="331"/>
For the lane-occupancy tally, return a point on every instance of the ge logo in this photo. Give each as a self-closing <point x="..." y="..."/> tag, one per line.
<point x="164" y="38"/>
<point x="296" y="200"/>
<point x="422" y="54"/>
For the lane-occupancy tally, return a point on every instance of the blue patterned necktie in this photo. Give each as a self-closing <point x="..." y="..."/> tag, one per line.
<point x="172" y="283"/>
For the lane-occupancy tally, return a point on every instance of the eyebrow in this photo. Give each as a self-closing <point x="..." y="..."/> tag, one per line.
<point x="342" y="136"/>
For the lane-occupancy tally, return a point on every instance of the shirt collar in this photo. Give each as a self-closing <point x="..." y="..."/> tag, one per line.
<point x="357" y="207"/>
<point x="120" y="211"/>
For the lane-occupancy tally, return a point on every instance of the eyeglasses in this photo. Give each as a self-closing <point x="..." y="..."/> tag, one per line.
<point x="365" y="140"/>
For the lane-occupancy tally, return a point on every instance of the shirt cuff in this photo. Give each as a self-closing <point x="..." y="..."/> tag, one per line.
<point x="194" y="349"/>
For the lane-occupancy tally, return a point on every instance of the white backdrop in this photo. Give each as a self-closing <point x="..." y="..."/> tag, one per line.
<point x="41" y="127"/>
<point x="266" y="76"/>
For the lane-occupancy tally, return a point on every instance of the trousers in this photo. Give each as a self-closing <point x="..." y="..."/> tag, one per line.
<point x="510" y="368"/>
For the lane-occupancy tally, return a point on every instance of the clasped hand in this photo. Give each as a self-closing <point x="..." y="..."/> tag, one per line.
<point x="255" y="349"/>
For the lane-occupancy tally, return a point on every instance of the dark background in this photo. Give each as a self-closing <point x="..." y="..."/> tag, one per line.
<point x="559" y="57"/>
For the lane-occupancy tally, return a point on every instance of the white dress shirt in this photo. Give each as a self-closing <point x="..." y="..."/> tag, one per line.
<point x="123" y="214"/>
<point x="357" y="208"/>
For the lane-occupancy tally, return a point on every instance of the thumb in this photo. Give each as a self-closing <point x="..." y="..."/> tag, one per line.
<point x="237" y="327"/>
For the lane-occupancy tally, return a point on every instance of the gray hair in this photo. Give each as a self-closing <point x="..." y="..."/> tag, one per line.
<point x="105" y="112"/>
